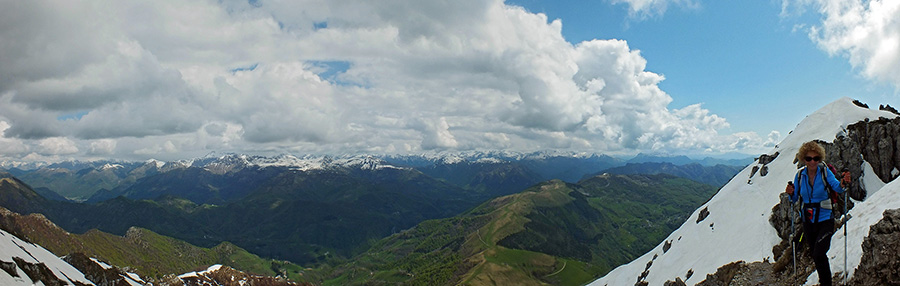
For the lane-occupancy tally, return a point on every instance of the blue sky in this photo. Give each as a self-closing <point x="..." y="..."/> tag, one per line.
<point x="171" y="80"/>
<point x="744" y="60"/>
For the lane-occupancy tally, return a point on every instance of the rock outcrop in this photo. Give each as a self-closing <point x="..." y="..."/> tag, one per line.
<point x="881" y="139"/>
<point x="875" y="141"/>
<point x="880" y="263"/>
<point x="888" y="108"/>
<point x="226" y="276"/>
<point x="703" y="214"/>
<point x="38" y="272"/>
<point x="761" y="163"/>
<point x="100" y="275"/>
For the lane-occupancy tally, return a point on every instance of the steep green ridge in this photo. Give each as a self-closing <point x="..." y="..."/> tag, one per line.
<point x="145" y="252"/>
<point x="553" y="233"/>
<point x="612" y="219"/>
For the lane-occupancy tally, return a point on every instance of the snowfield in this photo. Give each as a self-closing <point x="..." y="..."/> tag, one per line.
<point x="738" y="228"/>
<point x="12" y="247"/>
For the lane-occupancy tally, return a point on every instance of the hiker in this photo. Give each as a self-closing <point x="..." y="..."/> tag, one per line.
<point x="818" y="223"/>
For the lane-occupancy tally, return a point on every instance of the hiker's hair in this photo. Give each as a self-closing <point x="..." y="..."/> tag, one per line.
<point x="810" y="146"/>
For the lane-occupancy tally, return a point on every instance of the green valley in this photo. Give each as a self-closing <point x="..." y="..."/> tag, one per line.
<point x="145" y="252"/>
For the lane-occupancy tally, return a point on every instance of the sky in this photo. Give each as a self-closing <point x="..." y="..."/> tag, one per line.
<point x="169" y="80"/>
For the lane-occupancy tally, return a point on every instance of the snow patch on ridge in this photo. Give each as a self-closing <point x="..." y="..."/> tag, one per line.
<point x="870" y="181"/>
<point x="12" y="247"/>
<point x="101" y="263"/>
<point x="211" y="269"/>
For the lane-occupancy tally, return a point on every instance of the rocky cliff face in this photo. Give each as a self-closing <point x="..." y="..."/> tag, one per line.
<point x="39" y="273"/>
<point x="881" y="141"/>
<point x="877" y="142"/>
<point x="880" y="264"/>
<point x="100" y="275"/>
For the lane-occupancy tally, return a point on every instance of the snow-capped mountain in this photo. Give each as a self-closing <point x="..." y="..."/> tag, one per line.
<point x="735" y="224"/>
<point x="28" y="264"/>
<point x="22" y="165"/>
<point x="235" y="162"/>
<point x="487" y="156"/>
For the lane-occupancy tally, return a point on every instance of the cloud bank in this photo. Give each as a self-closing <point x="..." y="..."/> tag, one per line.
<point x="171" y="79"/>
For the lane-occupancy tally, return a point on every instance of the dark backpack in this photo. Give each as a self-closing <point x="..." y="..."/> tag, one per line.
<point x="837" y="199"/>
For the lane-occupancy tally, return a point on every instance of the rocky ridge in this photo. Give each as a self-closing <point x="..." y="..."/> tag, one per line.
<point x="879" y="264"/>
<point x="877" y="143"/>
<point x="24" y="263"/>
<point x="225" y="276"/>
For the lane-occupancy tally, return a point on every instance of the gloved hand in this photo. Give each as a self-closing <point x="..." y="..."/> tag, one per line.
<point x="789" y="189"/>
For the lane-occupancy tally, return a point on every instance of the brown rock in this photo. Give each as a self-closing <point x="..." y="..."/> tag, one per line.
<point x="880" y="262"/>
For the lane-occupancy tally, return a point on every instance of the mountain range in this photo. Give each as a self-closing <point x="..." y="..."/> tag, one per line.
<point x="102" y="180"/>
<point x="313" y="210"/>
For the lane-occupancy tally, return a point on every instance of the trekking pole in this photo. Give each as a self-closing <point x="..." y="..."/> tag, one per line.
<point x="793" y="248"/>
<point x="846" y="219"/>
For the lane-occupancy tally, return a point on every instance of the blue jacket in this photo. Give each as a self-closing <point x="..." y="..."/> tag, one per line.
<point x="816" y="192"/>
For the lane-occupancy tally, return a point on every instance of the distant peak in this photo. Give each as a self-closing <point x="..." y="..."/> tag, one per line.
<point x="110" y="166"/>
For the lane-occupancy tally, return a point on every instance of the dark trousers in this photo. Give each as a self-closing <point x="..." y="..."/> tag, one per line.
<point x="818" y="236"/>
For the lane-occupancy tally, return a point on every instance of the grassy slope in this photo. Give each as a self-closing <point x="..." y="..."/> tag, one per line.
<point x="499" y="265"/>
<point x="613" y="218"/>
<point x="553" y="233"/>
<point x="464" y="249"/>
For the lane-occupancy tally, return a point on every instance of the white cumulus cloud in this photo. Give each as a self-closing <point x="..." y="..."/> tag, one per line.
<point x="169" y="78"/>
<point x="10" y="146"/>
<point x="867" y="33"/>
<point x="103" y="147"/>
<point x="57" y="146"/>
